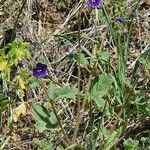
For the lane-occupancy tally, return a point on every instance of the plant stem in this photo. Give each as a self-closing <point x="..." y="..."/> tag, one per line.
<point x="122" y="109"/>
<point x="79" y="57"/>
<point x="55" y="112"/>
<point x="79" y="79"/>
<point x="99" y="126"/>
<point x="81" y="112"/>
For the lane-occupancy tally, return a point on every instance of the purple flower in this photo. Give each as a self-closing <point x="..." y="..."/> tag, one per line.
<point x="20" y="63"/>
<point x="40" y="70"/>
<point x="120" y="20"/>
<point x="94" y="3"/>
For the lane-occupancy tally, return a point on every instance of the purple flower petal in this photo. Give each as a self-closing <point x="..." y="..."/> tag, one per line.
<point x="94" y="3"/>
<point x="20" y="64"/>
<point x="40" y="65"/>
<point x="39" y="73"/>
<point x="40" y="70"/>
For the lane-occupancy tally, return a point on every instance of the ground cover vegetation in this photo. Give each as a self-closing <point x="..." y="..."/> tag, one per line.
<point x="75" y="74"/>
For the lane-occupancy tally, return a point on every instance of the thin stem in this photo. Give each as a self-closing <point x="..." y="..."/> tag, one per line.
<point x="81" y="112"/>
<point x="79" y="58"/>
<point x="0" y="120"/>
<point x="96" y="22"/>
<point x="110" y="28"/>
<point x="79" y="77"/>
<point x="122" y="110"/>
<point x="56" y="114"/>
<point x="91" y="124"/>
<point x="99" y="126"/>
<point x="4" y="143"/>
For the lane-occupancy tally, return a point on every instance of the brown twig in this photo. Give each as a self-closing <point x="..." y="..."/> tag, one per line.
<point x="81" y="112"/>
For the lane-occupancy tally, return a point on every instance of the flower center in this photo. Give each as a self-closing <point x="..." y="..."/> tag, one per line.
<point x="39" y="70"/>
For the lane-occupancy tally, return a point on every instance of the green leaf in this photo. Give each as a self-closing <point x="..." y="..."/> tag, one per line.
<point x="130" y="144"/>
<point x="34" y="82"/>
<point x="108" y="139"/>
<point x="40" y="126"/>
<point x="83" y="59"/>
<point x="18" y="50"/>
<point x="61" y="92"/>
<point x="100" y="87"/>
<point x="59" y="147"/>
<point x="3" y="105"/>
<point x="100" y="103"/>
<point x="67" y="92"/>
<point x="2" y="54"/>
<point x="45" y="120"/>
<point x="111" y="140"/>
<point x="53" y="91"/>
<point x="42" y="144"/>
<point x="103" y="55"/>
<point x="3" y="64"/>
